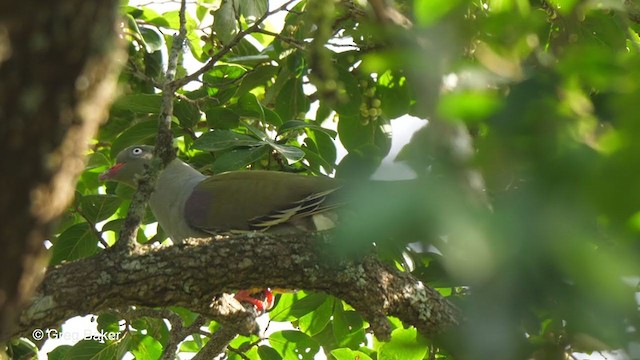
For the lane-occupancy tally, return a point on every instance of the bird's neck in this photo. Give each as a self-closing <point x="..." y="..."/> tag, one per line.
<point x="175" y="184"/>
<point x="176" y="176"/>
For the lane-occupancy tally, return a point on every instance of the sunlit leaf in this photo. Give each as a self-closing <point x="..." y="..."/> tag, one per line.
<point x="99" y="207"/>
<point x="76" y="242"/>
<point x="294" y="345"/>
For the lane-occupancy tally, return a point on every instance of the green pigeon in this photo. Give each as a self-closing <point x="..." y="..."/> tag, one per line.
<point x="188" y="204"/>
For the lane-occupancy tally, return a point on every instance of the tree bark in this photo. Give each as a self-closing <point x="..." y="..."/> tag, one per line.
<point x="57" y="79"/>
<point x="191" y="274"/>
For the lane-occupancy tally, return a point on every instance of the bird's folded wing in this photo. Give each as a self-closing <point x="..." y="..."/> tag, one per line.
<point x="258" y="200"/>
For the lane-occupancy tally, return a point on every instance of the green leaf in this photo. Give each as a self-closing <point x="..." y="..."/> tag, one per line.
<point x="222" y="118"/>
<point x="294" y="345"/>
<point x="222" y="76"/>
<point x="348" y="327"/>
<point x="218" y="140"/>
<point x="300" y="124"/>
<point x="394" y="94"/>
<point x="89" y="349"/>
<point x="146" y="347"/>
<point x="272" y="117"/>
<point x="292" y="306"/>
<point x="139" y="103"/>
<point x="282" y="310"/>
<point x="257" y="77"/>
<point x="349" y="95"/>
<point x="325" y="145"/>
<point x="469" y="106"/>
<point x="252" y="10"/>
<point x="291" y="153"/>
<point x="74" y="243"/>
<point x="154" y="327"/>
<point x="348" y="354"/>
<point x="308" y="303"/>
<point x="315" y="321"/>
<point x="239" y="158"/>
<point x="354" y="135"/>
<point x="429" y="11"/>
<point x="249" y="106"/>
<point x="97" y="160"/>
<point x="405" y="344"/>
<point x="291" y="100"/>
<point x="314" y="159"/>
<point x="225" y="24"/>
<point x="186" y="112"/>
<point x="139" y="133"/>
<point x="563" y="6"/>
<point x="172" y="18"/>
<point x="99" y="207"/>
<point x="108" y="322"/>
<point x="152" y="38"/>
<point x="188" y="317"/>
<point x="268" y="353"/>
<point x="59" y="353"/>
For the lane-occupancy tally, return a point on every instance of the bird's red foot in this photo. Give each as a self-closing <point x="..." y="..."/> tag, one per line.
<point x="262" y="300"/>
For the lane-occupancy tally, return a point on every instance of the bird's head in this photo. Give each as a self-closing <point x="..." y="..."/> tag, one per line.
<point x="129" y="163"/>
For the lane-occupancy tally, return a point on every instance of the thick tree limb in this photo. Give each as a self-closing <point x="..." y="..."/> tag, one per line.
<point x="191" y="274"/>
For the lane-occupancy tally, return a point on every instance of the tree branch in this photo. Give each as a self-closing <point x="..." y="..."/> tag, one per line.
<point x="191" y="274"/>
<point x="225" y="50"/>
<point x="163" y="152"/>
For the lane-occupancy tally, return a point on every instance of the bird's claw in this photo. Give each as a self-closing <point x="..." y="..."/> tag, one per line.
<point x="261" y="305"/>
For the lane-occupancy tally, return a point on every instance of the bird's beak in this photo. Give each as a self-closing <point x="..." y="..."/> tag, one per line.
<point x="111" y="172"/>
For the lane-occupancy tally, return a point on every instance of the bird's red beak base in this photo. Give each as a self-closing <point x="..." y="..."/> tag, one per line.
<point x="111" y="172"/>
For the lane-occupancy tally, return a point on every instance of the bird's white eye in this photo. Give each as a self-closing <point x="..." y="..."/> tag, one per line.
<point x="136" y="151"/>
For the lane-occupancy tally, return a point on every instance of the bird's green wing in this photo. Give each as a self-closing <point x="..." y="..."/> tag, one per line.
<point x="259" y="200"/>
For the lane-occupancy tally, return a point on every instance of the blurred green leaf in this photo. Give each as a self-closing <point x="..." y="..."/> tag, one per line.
<point x="225" y="24"/>
<point x="429" y="11"/>
<point x="222" y="118"/>
<point x="468" y="106"/>
<point x="139" y="133"/>
<point x="139" y="103"/>
<point x="252" y="10"/>
<point x="291" y="100"/>
<point x="349" y="96"/>
<point x="218" y="140"/>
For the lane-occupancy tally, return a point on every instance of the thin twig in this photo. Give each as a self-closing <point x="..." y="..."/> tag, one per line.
<point x="217" y="344"/>
<point x="164" y="145"/>
<point x="92" y="225"/>
<point x="227" y="48"/>
<point x="289" y="40"/>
